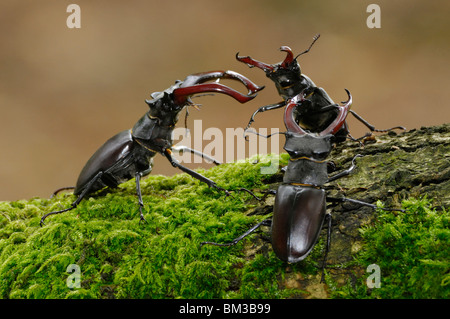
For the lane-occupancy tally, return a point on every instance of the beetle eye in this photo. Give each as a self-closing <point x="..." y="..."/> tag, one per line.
<point x="320" y="155"/>
<point x="285" y="83"/>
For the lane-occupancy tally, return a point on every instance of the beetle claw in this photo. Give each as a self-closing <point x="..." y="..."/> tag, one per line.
<point x="142" y="219"/>
<point x="227" y="192"/>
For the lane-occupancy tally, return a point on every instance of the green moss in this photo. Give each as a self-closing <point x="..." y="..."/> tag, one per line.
<point x="119" y="257"/>
<point x="122" y="258"/>
<point x="412" y="250"/>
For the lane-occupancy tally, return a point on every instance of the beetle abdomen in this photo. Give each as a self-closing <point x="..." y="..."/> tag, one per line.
<point x="109" y="154"/>
<point x="298" y="216"/>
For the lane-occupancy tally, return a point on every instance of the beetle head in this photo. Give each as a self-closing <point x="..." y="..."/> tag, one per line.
<point x="163" y="105"/>
<point x="167" y="105"/>
<point x="286" y="74"/>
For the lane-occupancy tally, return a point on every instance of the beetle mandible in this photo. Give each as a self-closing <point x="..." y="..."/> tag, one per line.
<point x="129" y="154"/>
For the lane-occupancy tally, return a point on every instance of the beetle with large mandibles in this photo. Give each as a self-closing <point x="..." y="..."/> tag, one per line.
<point x="317" y="110"/>
<point x="129" y="154"/>
<point x="299" y="210"/>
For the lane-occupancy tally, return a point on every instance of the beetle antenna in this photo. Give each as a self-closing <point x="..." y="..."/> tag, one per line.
<point x="61" y="189"/>
<point x="197" y="107"/>
<point x="315" y="38"/>
<point x="185" y="121"/>
<point x="259" y="134"/>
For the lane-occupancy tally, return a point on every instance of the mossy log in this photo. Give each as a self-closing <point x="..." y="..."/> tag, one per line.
<point x="117" y="257"/>
<point x="394" y="168"/>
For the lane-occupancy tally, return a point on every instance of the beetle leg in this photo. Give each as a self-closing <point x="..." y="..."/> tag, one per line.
<point x="361" y="139"/>
<point x="53" y="213"/>
<point x="250" y="192"/>
<point x="262" y="135"/>
<point x="265" y="222"/>
<point x="263" y="109"/>
<point x="181" y="148"/>
<point x="356" y="201"/>
<point x="327" y="247"/>
<point x="77" y="201"/>
<point x="371" y="127"/>
<point x="346" y="172"/>
<point x="139" y="194"/>
<point x="175" y="163"/>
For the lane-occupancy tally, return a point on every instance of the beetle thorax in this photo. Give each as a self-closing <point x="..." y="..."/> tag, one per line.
<point x="311" y="146"/>
<point x="307" y="165"/>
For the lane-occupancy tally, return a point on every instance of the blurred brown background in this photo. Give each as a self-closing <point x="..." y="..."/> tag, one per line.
<point x="63" y="91"/>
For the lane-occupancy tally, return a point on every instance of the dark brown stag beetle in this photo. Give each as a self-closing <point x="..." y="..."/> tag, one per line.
<point x="299" y="211"/>
<point x="317" y="110"/>
<point x="129" y="154"/>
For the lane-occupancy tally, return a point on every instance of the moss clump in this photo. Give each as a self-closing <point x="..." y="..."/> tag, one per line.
<point x="412" y="250"/>
<point x="120" y="258"/>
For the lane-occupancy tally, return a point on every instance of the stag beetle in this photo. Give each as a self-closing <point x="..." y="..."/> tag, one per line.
<point x="130" y="153"/>
<point x="299" y="210"/>
<point x="317" y="110"/>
